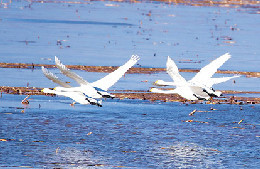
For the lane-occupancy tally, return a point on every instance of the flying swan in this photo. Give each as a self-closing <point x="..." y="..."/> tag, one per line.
<point x="200" y="86"/>
<point x="97" y="89"/>
<point x="76" y="96"/>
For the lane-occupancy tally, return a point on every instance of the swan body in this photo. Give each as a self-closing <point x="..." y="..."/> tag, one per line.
<point x="200" y="86"/>
<point x="185" y="92"/>
<point x="76" y="96"/>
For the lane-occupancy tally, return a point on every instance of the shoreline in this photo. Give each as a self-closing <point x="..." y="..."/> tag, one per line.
<point x="146" y="95"/>
<point x="109" y="69"/>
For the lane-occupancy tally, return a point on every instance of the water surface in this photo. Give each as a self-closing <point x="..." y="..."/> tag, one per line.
<point x="49" y="133"/>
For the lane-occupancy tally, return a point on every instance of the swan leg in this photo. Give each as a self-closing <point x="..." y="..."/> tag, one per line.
<point x="93" y="102"/>
<point x="106" y="95"/>
<point x="199" y="98"/>
<point x="72" y="104"/>
<point x="211" y="94"/>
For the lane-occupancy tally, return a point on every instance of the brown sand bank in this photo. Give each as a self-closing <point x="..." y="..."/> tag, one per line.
<point x="220" y="3"/>
<point x="108" y="69"/>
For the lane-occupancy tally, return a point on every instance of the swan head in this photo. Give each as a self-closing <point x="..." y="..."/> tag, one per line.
<point x="46" y="90"/>
<point x="60" y="89"/>
<point x="159" y="83"/>
<point x="153" y="90"/>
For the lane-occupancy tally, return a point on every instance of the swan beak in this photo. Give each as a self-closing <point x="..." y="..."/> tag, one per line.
<point x="43" y="90"/>
<point x="54" y="88"/>
<point x="156" y="83"/>
<point x="151" y="90"/>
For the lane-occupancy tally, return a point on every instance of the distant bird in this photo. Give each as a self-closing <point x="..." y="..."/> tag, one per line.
<point x="200" y="86"/>
<point x="97" y="89"/>
<point x="76" y="96"/>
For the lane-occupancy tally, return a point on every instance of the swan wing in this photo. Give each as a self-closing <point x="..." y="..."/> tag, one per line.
<point x="213" y="81"/>
<point x="64" y="70"/>
<point x="109" y="80"/>
<point x="208" y="71"/>
<point x="173" y="71"/>
<point x="54" y="78"/>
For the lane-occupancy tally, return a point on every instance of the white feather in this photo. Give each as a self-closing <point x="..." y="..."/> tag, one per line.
<point x="109" y="80"/>
<point x="54" y="78"/>
<point x="64" y="70"/>
<point x="209" y="70"/>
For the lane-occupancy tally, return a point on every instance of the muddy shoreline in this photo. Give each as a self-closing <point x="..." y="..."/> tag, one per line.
<point x="109" y="69"/>
<point x="146" y="95"/>
<point x="220" y="3"/>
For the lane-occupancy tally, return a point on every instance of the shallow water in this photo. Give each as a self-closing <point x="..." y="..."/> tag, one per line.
<point x="29" y="33"/>
<point x="127" y="133"/>
<point x="49" y="133"/>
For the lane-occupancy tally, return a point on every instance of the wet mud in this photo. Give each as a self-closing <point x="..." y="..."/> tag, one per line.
<point x="109" y="69"/>
<point x="146" y="95"/>
<point x="219" y="3"/>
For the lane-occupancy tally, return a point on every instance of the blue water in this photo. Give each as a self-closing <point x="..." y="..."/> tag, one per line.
<point x="127" y="133"/>
<point x="107" y="35"/>
<point x="49" y="133"/>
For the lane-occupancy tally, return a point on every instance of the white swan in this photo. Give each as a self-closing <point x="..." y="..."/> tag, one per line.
<point x="200" y="85"/>
<point x="76" y="96"/>
<point x="97" y="89"/>
<point x="183" y="88"/>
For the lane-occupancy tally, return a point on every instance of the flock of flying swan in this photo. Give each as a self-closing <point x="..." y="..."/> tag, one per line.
<point x="198" y="88"/>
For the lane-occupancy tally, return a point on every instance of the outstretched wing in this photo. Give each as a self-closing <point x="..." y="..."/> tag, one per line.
<point x="213" y="81"/>
<point x="173" y="71"/>
<point x="54" y="78"/>
<point x="208" y="71"/>
<point x="109" y="80"/>
<point x="68" y="73"/>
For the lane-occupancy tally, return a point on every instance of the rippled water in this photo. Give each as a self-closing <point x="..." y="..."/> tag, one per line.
<point x="127" y="133"/>
<point x="49" y="133"/>
<point x="106" y="33"/>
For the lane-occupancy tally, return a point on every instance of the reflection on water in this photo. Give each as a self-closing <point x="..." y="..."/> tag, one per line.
<point x="190" y="155"/>
<point x="64" y="22"/>
<point x="71" y="157"/>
